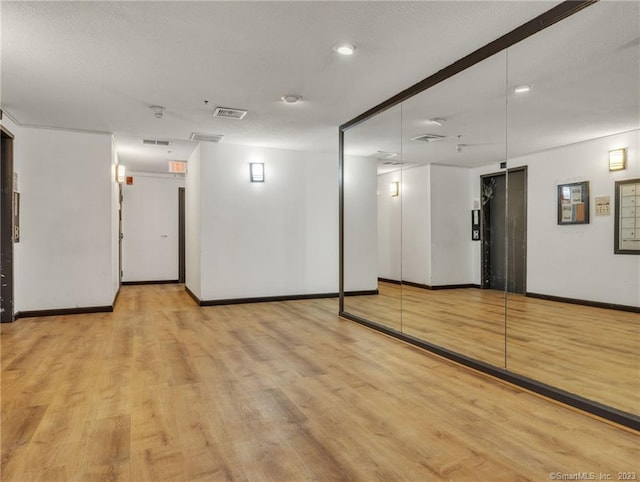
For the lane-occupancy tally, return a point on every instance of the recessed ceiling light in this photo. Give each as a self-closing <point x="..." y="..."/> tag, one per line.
<point x="520" y="89"/>
<point x="344" y="49"/>
<point x="291" y="99"/>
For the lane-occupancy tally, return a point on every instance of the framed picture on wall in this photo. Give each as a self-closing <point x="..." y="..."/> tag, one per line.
<point x="627" y="220"/>
<point x="573" y="203"/>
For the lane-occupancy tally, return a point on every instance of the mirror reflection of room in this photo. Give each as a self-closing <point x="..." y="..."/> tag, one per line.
<point x="541" y="286"/>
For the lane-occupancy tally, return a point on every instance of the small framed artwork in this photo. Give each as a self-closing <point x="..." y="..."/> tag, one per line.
<point x="573" y="203"/>
<point x="627" y="220"/>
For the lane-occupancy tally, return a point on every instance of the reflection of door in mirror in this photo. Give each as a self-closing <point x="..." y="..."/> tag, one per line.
<point x="504" y="245"/>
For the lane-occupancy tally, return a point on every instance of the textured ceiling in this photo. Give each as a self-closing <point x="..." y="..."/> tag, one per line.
<point x="585" y="79"/>
<point x="100" y="65"/>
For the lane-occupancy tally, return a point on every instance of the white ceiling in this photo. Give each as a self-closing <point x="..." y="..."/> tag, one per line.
<point x="99" y="66"/>
<point x="585" y="79"/>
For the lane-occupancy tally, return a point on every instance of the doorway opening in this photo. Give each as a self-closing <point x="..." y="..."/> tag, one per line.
<point x="6" y="226"/>
<point x="504" y="230"/>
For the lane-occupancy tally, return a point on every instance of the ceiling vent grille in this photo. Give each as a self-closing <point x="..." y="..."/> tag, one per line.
<point x="155" y="142"/>
<point x="383" y="155"/>
<point x="229" y="113"/>
<point x="392" y="163"/>
<point x="198" y="136"/>
<point x="428" y="138"/>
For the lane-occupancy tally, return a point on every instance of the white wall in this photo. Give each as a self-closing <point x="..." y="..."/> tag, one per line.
<point x="64" y="257"/>
<point x="274" y="238"/>
<point x="451" y="244"/>
<point x="115" y="222"/>
<point x="150" y="227"/>
<point x="389" y="233"/>
<point x="577" y="261"/>
<point x="434" y="205"/>
<point x="416" y="225"/>
<point x="193" y="218"/>
<point x="360" y="224"/>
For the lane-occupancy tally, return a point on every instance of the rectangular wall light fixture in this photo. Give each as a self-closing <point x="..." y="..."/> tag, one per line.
<point x="257" y="171"/>
<point x="121" y="175"/>
<point x="394" y="188"/>
<point x="618" y="159"/>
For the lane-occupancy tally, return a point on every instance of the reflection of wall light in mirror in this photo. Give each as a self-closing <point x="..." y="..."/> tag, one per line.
<point x="394" y="188"/>
<point x="257" y="171"/>
<point x="121" y="175"/>
<point x="521" y="89"/>
<point x="617" y="159"/>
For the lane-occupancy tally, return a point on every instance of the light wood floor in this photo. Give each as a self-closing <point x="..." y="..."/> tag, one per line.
<point x="164" y="390"/>
<point x="592" y="352"/>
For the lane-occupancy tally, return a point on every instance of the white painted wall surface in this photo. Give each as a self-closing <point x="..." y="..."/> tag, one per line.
<point x="274" y="238"/>
<point x="451" y="244"/>
<point x="115" y="222"/>
<point x="435" y="207"/>
<point x="150" y="227"/>
<point x="360" y="224"/>
<point x="193" y="218"/>
<point x="390" y="225"/>
<point x="577" y="261"/>
<point x="416" y="225"/>
<point x="64" y="257"/>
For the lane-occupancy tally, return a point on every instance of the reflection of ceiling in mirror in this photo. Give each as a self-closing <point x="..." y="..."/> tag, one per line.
<point x="585" y="78"/>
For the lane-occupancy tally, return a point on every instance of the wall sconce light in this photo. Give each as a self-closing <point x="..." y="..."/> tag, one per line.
<point x="121" y="175"/>
<point x="618" y="159"/>
<point x="394" y="188"/>
<point x="256" y="169"/>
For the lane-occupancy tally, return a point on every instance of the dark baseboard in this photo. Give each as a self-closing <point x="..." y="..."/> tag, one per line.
<point x="115" y="298"/>
<point x="595" y="304"/>
<point x="64" y="311"/>
<point x="190" y="293"/>
<point x="360" y="293"/>
<point x="154" y="282"/>
<point x="613" y="414"/>
<point x="428" y="287"/>
<point x="267" y="299"/>
<point x="389" y="280"/>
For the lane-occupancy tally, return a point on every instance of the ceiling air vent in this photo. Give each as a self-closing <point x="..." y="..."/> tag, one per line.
<point x="392" y="163"/>
<point x="383" y="155"/>
<point x="228" y="113"/>
<point x="428" y="138"/>
<point x="155" y="142"/>
<point x="198" y="136"/>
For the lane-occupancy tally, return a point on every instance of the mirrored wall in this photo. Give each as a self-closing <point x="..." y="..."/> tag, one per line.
<point x="493" y="215"/>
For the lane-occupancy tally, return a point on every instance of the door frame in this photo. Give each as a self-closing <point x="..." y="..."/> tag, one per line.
<point x="181" y="234"/>
<point x="525" y="227"/>
<point x="7" y="314"/>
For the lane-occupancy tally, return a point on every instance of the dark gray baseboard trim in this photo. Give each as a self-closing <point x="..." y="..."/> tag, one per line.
<point x="595" y="408"/>
<point x="595" y="304"/>
<point x="429" y="287"/>
<point x="389" y="280"/>
<point x="193" y="296"/>
<point x="64" y="311"/>
<point x="359" y="293"/>
<point x="153" y="282"/>
<point x="267" y="299"/>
